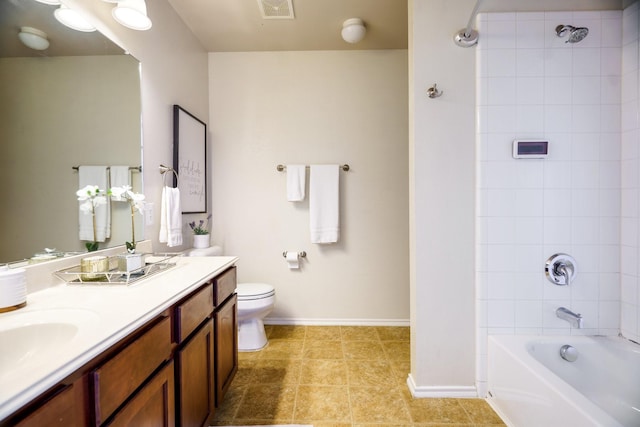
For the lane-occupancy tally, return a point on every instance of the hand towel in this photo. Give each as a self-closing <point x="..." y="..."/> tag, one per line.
<point x="324" y="195"/>
<point x="95" y="175"/>
<point x="296" y="181"/>
<point x="120" y="175"/>
<point x="170" y="217"/>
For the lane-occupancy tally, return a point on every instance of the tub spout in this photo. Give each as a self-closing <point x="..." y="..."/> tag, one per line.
<point x="575" y="320"/>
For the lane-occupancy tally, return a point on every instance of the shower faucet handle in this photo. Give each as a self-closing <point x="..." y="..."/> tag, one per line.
<point x="561" y="269"/>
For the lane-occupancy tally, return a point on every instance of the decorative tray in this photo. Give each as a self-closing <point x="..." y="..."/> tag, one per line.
<point x="151" y="264"/>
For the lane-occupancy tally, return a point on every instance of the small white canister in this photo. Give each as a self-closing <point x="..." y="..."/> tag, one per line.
<point x="13" y="288"/>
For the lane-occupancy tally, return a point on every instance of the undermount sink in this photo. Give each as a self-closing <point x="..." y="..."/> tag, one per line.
<point x="31" y="338"/>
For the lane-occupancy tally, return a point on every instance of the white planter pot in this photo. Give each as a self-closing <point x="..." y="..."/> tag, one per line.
<point x="200" y="241"/>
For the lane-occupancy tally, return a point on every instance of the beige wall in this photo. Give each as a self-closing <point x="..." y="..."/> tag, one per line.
<point x="314" y="107"/>
<point x="442" y="187"/>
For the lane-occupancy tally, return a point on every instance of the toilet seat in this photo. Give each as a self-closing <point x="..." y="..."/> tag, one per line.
<point x="254" y="291"/>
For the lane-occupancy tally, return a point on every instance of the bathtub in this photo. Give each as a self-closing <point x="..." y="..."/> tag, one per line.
<point x="529" y="384"/>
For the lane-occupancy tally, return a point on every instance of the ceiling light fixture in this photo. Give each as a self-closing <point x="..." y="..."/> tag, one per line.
<point x="33" y="38"/>
<point x="132" y="14"/>
<point x="53" y="2"/>
<point x="73" y="19"/>
<point x="353" y="30"/>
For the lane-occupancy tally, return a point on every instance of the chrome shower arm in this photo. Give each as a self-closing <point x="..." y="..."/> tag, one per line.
<point x="474" y="13"/>
<point x="468" y="37"/>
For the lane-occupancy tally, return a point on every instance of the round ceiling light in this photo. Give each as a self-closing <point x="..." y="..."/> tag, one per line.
<point x="353" y="30"/>
<point x="132" y="14"/>
<point x="72" y="19"/>
<point x="53" y="2"/>
<point x="33" y="38"/>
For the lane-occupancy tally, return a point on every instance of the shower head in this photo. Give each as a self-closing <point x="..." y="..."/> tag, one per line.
<point x="576" y="34"/>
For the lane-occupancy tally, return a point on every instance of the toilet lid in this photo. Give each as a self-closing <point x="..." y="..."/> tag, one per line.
<point x="247" y="291"/>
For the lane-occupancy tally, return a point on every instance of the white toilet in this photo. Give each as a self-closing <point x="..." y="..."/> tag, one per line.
<point x="255" y="302"/>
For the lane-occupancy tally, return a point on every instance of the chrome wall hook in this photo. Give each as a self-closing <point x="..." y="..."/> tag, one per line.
<point x="433" y="92"/>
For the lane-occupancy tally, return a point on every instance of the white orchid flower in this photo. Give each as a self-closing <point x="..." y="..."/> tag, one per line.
<point x="136" y="200"/>
<point x="119" y="192"/>
<point x="91" y="196"/>
<point x="87" y="192"/>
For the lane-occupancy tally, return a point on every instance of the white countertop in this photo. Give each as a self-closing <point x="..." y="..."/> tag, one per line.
<point x="105" y="314"/>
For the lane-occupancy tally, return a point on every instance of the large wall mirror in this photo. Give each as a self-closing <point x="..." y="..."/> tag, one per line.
<point x="76" y="103"/>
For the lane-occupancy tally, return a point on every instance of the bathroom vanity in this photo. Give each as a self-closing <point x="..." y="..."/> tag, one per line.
<point x="162" y="351"/>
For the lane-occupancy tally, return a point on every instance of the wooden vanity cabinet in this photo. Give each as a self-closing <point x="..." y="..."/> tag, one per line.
<point x="207" y="354"/>
<point x="226" y="331"/>
<point x="66" y="407"/>
<point x="125" y="386"/>
<point x="173" y="371"/>
<point x="194" y="359"/>
<point x="226" y="345"/>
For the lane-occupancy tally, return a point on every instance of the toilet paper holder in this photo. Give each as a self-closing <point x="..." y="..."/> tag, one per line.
<point x="302" y="254"/>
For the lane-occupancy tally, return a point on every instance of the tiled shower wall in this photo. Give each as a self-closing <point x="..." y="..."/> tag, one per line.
<point x="630" y="178"/>
<point x="533" y="85"/>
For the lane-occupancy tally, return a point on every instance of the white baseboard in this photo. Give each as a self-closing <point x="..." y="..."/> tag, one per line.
<point x="461" y="391"/>
<point x="336" y="322"/>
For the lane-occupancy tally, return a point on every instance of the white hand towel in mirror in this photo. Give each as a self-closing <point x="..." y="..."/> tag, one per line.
<point x="324" y="196"/>
<point x="296" y="182"/>
<point x="120" y="175"/>
<point x="95" y="175"/>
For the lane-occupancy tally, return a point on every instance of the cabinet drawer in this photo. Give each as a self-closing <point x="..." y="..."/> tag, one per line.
<point x="193" y="311"/>
<point x="224" y="285"/>
<point x="116" y="379"/>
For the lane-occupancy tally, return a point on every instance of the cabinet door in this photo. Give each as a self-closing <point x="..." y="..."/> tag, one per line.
<point x="153" y="405"/>
<point x="195" y="378"/>
<point x="67" y="408"/>
<point x="226" y="346"/>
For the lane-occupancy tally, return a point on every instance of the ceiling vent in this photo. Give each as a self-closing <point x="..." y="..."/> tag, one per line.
<point x="276" y="9"/>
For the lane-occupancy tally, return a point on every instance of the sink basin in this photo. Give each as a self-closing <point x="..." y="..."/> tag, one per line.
<point x="33" y="338"/>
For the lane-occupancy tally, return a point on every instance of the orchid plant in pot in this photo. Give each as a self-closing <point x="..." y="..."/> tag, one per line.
<point x="200" y="233"/>
<point x="136" y="203"/>
<point x="91" y="196"/>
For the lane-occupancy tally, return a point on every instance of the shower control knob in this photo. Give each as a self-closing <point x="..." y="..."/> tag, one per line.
<point x="561" y="269"/>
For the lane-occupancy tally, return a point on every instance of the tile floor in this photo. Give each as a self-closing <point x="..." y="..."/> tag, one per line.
<point x="338" y="376"/>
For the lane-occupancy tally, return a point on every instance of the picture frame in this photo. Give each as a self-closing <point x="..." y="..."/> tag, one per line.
<point x="190" y="160"/>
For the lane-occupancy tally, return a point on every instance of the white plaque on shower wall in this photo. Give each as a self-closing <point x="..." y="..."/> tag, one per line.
<point x="190" y="160"/>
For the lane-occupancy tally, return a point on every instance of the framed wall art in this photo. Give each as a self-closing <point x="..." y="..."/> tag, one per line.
<point x="190" y="160"/>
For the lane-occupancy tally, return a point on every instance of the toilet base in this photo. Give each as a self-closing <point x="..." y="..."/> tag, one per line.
<point x="251" y="335"/>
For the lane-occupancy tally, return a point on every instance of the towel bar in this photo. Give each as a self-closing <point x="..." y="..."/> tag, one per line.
<point x="281" y="168"/>
<point x="131" y="168"/>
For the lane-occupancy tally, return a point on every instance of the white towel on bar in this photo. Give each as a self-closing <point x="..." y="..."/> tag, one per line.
<point x="120" y="175"/>
<point x="170" y="217"/>
<point x="296" y="182"/>
<point x="324" y="196"/>
<point x="95" y="175"/>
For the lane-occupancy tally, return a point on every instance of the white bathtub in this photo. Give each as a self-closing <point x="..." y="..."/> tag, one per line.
<point x="529" y="384"/>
